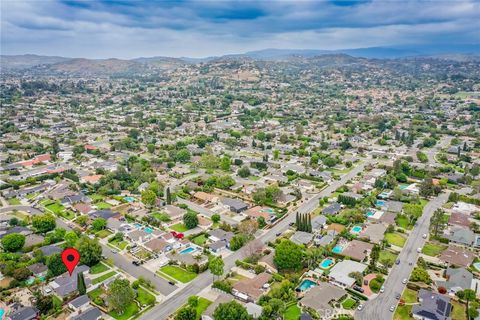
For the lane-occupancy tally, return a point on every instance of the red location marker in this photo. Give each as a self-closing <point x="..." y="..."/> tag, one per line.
<point x="70" y="258"/>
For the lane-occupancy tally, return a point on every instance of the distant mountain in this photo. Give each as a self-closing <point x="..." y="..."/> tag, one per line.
<point x="25" y="61"/>
<point x="88" y="67"/>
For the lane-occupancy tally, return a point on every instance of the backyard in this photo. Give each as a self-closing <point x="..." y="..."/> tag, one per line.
<point x="200" y="240"/>
<point x="179" y="227"/>
<point x="178" y="273"/>
<point x="292" y="312"/>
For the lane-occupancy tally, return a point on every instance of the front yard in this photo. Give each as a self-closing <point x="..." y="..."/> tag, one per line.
<point x="104" y="277"/>
<point x="433" y="249"/>
<point x="178" y="273"/>
<point x="98" y="268"/>
<point x="179" y="227"/>
<point x="395" y="239"/>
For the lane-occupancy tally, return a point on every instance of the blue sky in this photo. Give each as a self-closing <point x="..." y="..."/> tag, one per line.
<point x="127" y="29"/>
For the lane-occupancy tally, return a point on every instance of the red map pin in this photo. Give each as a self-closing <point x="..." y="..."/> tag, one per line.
<point x="70" y="258"/>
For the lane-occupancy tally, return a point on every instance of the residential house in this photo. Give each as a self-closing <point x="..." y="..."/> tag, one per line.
<point x="26" y="313"/>
<point x="457" y="279"/>
<point x="462" y="236"/>
<point x="79" y="304"/>
<point x="332" y="209"/>
<point x="267" y="262"/>
<point x="339" y="274"/>
<point x="320" y="297"/>
<point x="66" y="284"/>
<point x="90" y="314"/>
<point x="433" y="306"/>
<point x="457" y="256"/>
<point x="234" y="205"/>
<point x="301" y="237"/>
<point x="250" y="290"/>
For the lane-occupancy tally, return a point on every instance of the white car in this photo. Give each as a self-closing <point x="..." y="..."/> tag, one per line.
<point x="424" y="236"/>
<point x="392" y="308"/>
<point x="382" y="289"/>
<point x="360" y="307"/>
<point x="419" y="250"/>
<point x="114" y="251"/>
<point x="404" y="281"/>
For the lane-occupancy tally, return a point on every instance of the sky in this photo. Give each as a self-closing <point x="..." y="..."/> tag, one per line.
<point x="191" y="28"/>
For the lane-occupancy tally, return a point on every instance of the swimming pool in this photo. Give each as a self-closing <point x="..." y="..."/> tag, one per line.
<point x="370" y="213"/>
<point x="137" y="225"/>
<point x="267" y="210"/>
<point x="129" y="199"/>
<point x="148" y="230"/>
<point x="2" y="312"/>
<point x="337" y="249"/>
<point x="356" y="229"/>
<point x="477" y="265"/>
<point x="402" y="186"/>
<point x="188" y="250"/>
<point x="380" y="203"/>
<point x="326" y="263"/>
<point x="306" y="284"/>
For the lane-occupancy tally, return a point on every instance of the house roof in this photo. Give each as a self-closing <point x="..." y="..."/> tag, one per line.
<point x="37" y="268"/>
<point x="66" y="284"/>
<point x="318" y="222"/>
<point x="50" y="249"/>
<point x="457" y="256"/>
<point x="80" y="301"/>
<point x="458" y="278"/>
<point x="221" y="234"/>
<point x="253" y="287"/>
<point x="357" y="249"/>
<point x="156" y="244"/>
<point x="91" y="314"/>
<point x="334" y="208"/>
<point x="394" y="206"/>
<point x="236" y="204"/>
<point x="301" y="237"/>
<point x="26" y="313"/>
<point x="432" y="306"/>
<point x="318" y="297"/>
<point x="463" y="236"/>
<point x="340" y="272"/>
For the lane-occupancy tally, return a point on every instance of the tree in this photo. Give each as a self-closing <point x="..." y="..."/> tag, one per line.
<point x="21" y="274"/>
<point x="215" y="218"/>
<point x="231" y="311"/>
<point x="55" y="265"/>
<point x="150" y="147"/>
<point x="90" y="251"/>
<point x="216" y="266"/>
<point x="261" y="222"/>
<point x="149" y="197"/>
<point x="120" y="295"/>
<point x="183" y="155"/>
<point x="244" y="172"/>
<point x="190" y="219"/>
<point x="358" y="276"/>
<point x="437" y="221"/>
<point x="288" y="256"/>
<point x="420" y="275"/>
<point x="71" y="239"/>
<point x="225" y="163"/>
<point x="44" y="303"/>
<point x="469" y="295"/>
<point x="13" y="242"/>
<point x="168" y="196"/>
<point x="186" y="313"/>
<point x="43" y="223"/>
<point x="82" y="220"/>
<point x="81" y="287"/>
<point x="99" y="224"/>
<point x="248" y="227"/>
<point x="238" y="241"/>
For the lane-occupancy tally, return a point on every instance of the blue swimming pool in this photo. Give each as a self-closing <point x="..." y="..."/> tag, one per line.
<point x="370" y="213"/>
<point x="356" y="229"/>
<point x="403" y="186"/>
<point x="380" y="203"/>
<point x="2" y="312"/>
<point x="148" y="230"/>
<point x="267" y="210"/>
<point x="337" y="249"/>
<point x="137" y="225"/>
<point x="326" y="263"/>
<point x="306" y="284"/>
<point x="188" y="250"/>
<point x="129" y="199"/>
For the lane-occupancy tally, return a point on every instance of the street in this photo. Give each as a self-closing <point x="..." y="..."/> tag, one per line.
<point x="378" y="308"/>
<point x="163" y="310"/>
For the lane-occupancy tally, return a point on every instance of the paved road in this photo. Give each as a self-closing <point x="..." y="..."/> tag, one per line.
<point x="167" y="307"/>
<point x="20" y="208"/>
<point x="378" y="308"/>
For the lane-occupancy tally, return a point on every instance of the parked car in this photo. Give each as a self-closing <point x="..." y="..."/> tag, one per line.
<point x="360" y="307"/>
<point x="382" y="289"/>
<point x="171" y="283"/>
<point x="392" y="308"/>
<point x="357" y="288"/>
<point x="424" y="236"/>
<point x="114" y="251"/>
<point x="404" y="281"/>
<point x="136" y="263"/>
<point x="398" y="261"/>
<point x="397" y="296"/>
<point x="419" y="250"/>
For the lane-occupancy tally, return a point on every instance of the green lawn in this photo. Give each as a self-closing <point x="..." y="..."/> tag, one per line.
<point x="57" y="303"/>
<point x="120" y="245"/>
<point x="387" y="255"/>
<point x="103" y="233"/>
<point x="178" y="273"/>
<point x="202" y="306"/>
<point x="31" y="195"/>
<point x="14" y="202"/>
<point x="98" y="268"/>
<point x="130" y="311"/>
<point x="56" y="208"/>
<point x="376" y="284"/>
<point x="395" y="239"/>
<point x="458" y="312"/>
<point x="95" y="293"/>
<point x="104" y="277"/>
<point x="96" y="197"/>
<point x="403" y="313"/>
<point x="103" y="205"/>
<point x="145" y="297"/>
<point x="409" y="296"/>
<point x="433" y="249"/>
<point x="161" y="216"/>
<point x="292" y="313"/>
<point x="200" y="240"/>
<point x="349" y="303"/>
<point x="179" y="227"/>
<point x="403" y="222"/>
<point x="68" y="214"/>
